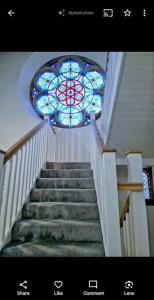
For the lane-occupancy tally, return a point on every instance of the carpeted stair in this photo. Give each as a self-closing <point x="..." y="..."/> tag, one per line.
<point x="62" y="217"/>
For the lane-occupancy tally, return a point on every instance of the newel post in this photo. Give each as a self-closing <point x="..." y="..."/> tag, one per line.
<point x="110" y="198"/>
<point x="137" y="205"/>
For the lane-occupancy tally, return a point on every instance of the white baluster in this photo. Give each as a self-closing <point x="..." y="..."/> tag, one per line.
<point x="130" y="231"/>
<point x="10" y="194"/>
<point x="21" y="181"/>
<point x="42" y="145"/>
<point x="122" y="241"/>
<point x="125" y="240"/>
<point x="127" y="235"/>
<point x="32" y="163"/>
<point x="35" y="159"/>
<point x="15" y="192"/>
<point x="25" y="181"/>
<point x="8" y="167"/>
<point x="40" y="157"/>
<point x="29" y="165"/>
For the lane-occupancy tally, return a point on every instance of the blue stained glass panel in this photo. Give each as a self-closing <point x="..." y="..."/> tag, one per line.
<point x="34" y="92"/>
<point x="95" y="105"/>
<point x="47" y="80"/>
<point x="87" y="83"/>
<point x="70" y="120"/>
<point x="53" y="102"/>
<point x="70" y="109"/>
<point x="146" y="186"/>
<point x="70" y="66"/>
<point x="43" y="105"/>
<point x="96" y="79"/>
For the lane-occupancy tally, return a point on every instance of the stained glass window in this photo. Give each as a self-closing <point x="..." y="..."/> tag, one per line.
<point x="146" y="185"/>
<point x="67" y="89"/>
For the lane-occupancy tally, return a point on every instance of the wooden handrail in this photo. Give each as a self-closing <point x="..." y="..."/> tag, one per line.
<point x="2" y="151"/>
<point x="13" y="149"/>
<point x="125" y="210"/>
<point x="101" y="146"/>
<point x="130" y="186"/>
<point x="133" y="152"/>
<point x="98" y="137"/>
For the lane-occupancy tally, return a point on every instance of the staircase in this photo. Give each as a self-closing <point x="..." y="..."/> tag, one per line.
<point x="62" y="216"/>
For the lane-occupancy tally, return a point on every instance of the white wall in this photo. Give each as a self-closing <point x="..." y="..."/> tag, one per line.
<point x="15" y="119"/>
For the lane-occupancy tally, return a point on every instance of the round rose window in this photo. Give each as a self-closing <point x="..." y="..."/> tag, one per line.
<point x="67" y="89"/>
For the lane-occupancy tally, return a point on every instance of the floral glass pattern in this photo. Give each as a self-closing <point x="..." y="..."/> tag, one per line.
<point x="67" y="90"/>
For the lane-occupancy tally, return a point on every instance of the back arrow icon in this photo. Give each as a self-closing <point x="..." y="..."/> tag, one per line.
<point x="11" y="12"/>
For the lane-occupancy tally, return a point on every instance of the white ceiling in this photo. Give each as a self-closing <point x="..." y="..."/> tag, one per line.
<point x="133" y="120"/>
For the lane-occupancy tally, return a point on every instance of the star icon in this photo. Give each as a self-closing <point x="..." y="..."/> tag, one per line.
<point x="127" y="13"/>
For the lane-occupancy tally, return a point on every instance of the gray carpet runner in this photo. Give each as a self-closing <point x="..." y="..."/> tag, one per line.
<point x="62" y="216"/>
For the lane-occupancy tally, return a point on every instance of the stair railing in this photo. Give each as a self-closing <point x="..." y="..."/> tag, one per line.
<point x="103" y="163"/>
<point x="20" y="166"/>
<point x="133" y="219"/>
<point x="126" y="235"/>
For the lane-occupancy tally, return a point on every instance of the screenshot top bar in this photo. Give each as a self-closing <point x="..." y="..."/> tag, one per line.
<point x="102" y="14"/>
<point x="107" y="28"/>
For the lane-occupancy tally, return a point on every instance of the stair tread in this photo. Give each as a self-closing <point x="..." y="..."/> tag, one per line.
<point x="61" y="203"/>
<point x="85" y="183"/>
<point x="64" y="210"/>
<point x="62" y="189"/>
<point x="66" y="178"/>
<point x="68" y="165"/>
<point x="63" y="195"/>
<point x="66" y="173"/>
<point x="69" y="170"/>
<point x="57" y="222"/>
<point x="59" y="230"/>
<point x="75" y="249"/>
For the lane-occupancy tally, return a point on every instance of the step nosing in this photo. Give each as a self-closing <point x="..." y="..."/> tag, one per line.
<point x="63" y="189"/>
<point x="30" y="221"/>
<point x="66" y="178"/>
<point x="66" y="169"/>
<point x="63" y="203"/>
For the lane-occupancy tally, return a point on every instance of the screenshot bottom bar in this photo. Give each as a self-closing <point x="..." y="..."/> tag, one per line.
<point x="76" y="277"/>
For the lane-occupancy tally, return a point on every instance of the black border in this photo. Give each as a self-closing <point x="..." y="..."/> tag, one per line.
<point x="40" y="28"/>
<point x="111" y="274"/>
<point x="22" y="33"/>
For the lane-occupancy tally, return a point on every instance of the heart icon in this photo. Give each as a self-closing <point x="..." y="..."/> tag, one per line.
<point x="58" y="284"/>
